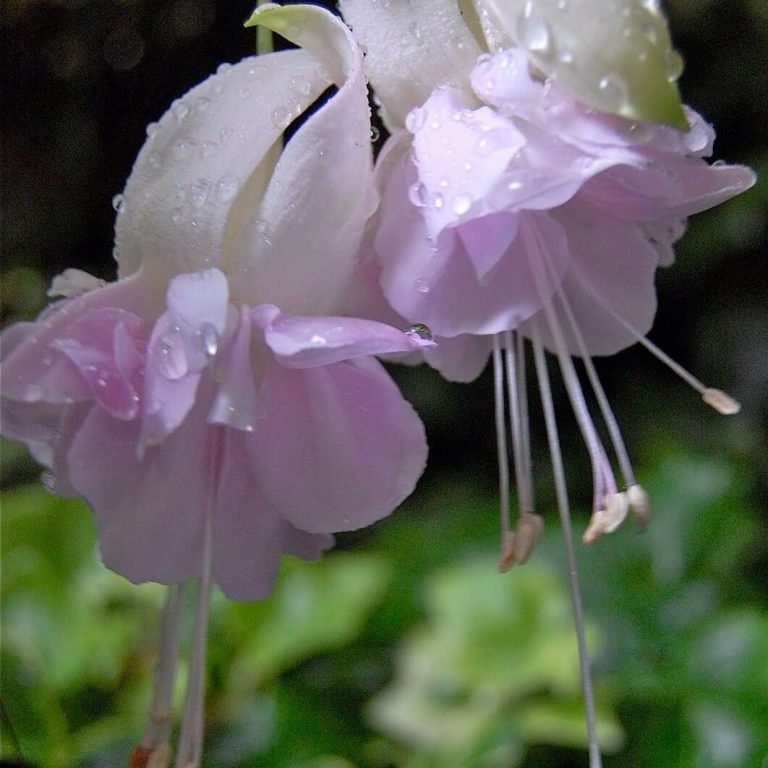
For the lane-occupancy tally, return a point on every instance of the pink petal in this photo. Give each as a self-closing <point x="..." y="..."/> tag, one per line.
<point x="613" y="265"/>
<point x="668" y="187"/>
<point x="339" y="447"/>
<point x="307" y="342"/>
<point x="149" y="512"/>
<point x="460" y="358"/>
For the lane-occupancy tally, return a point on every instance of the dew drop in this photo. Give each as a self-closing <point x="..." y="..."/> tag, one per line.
<point x="154" y="159"/>
<point x="421" y="286"/>
<point x="152" y="129"/>
<point x="183" y="149"/>
<point x="437" y="201"/>
<point x="224" y="69"/>
<point x="118" y="203"/>
<point x="177" y="215"/>
<point x="415" y="30"/>
<point x="173" y="358"/>
<point x="198" y="193"/>
<point x="419" y="330"/>
<point x="202" y="104"/>
<point x="33" y="393"/>
<point x="281" y="117"/>
<point x="532" y="29"/>
<point x="461" y="204"/>
<point x="209" y="339"/>
<point x="675" y="64"/>
<point x="613" y="88"/>
<point x="317" y="339"/>
<point x="417" y="194"/>
<point x="566" y="56"/>
<point x="301" y="85"/>
<point x="415" y="119"/>
<point x="227" y="188"/>
<point x="225" y="134"/>
<point x="375" y="134"/>
<point x="180" y="109"/>
<point x="244" y="93"/>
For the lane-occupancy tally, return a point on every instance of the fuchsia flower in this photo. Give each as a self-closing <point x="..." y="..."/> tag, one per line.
<point x="510" y="207"/>
<point x="513" y="211"/>
<point x="212" y="406"/>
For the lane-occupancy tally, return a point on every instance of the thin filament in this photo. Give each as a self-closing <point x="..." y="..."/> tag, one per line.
<point x="159" y="726"/>
<point x="522" y="398"/>
<point x="513" y="391"/>
<point x="501" y="436"/>
<point x="595" y="761"/>
<point x="605" y="408"/>
<point x="602" y="474"/>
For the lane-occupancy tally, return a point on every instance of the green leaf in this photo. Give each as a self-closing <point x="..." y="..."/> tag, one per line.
<point x="615" y="55"/>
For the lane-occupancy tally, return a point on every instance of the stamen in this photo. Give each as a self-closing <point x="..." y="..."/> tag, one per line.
<point x="607" y="519"/>
<point x="501" y="439"/>
<point x="524" y="491"/>
<point x="191" y="737"/>
<point x="719" y="400"/>
<point x="639" y="505"/>
<point x="602" y="474"/>
<point x="595" y="761"/>
<point x="517" y="545"/>
<point x="522" y="398"/>
<point x="158" y="728"/>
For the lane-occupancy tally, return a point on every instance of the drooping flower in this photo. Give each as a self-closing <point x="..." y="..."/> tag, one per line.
<point x="513" y="211"/>
<point x="212" y="406"/>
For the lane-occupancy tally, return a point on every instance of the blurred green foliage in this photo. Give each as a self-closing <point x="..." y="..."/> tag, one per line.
<point x="380" y="657"/>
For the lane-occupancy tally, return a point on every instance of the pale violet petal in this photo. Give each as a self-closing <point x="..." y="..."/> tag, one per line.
<point x="306" y="342"/>
<point x="412" y="48"/>
<point x="298" y="250"/>
<point x="203" y="167"/>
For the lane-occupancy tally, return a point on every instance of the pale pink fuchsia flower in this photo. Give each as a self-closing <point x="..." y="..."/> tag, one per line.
<point x="512" y="211"/>
<point x="213" y="406"/>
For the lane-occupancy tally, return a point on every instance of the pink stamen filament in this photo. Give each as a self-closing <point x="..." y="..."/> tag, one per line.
<point x="595" y="761"/>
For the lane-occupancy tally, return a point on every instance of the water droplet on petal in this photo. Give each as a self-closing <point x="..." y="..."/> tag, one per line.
<point x="675" y="65"/>
<point x="32" y="393"/>
<point x="532" y="29"/>
<point x="208" y="148"/>
<point x="177" y="215"/>
<point x="419" y="330"/>
<point x="154" y="159"/>
<point x="437" y="201"/>
<point x="375" y="134"/>
<point x="227" y="188"/>
<point x="301" y="85"/>
<point x="152" y="129"/>
<point x="173" y="358"/>
<point x="417" y="194"/>
<point x="198" y="193"/>
<point x="415" y="119"/>
<point x="244" y="93"/>
<point x="415" y="30"/>
<point x="180" y="109"/>
<point x="118" y="203"/>
<point x="317" y="339"/>
<point x="461" y="204"/>
<point x="183" y="149"/>
<point x="202" y="104"/>
<point x="613" y="89"/>
<point x="421" y="286"/>
<point x="209" y="339"/>
<point x="224" y="69"/>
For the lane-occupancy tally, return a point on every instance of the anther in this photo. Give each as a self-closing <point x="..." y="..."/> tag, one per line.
<point x="139" y="757"/>
<point x="517" y="545"/>
<point x="160" y="757"/>
<point x="720" y="401"/>
<point x="607" y="519"/>
<point x="639" y="505"/>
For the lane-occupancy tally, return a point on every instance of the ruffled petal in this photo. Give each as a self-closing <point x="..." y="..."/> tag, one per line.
<point x="411" y="49"/>
<point x="339" y="447"/>
<point x="451" y="290"/>
<point x="461" y="358"/>
<point x="612" y="271"/>
<point x="666" y="186"/>
<point x="298" y="251"/>
<point x="36" y="367"/>
<point x="149" y="512"/>
<point x="203" y="168"/>
<point x="307" y="342"/>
